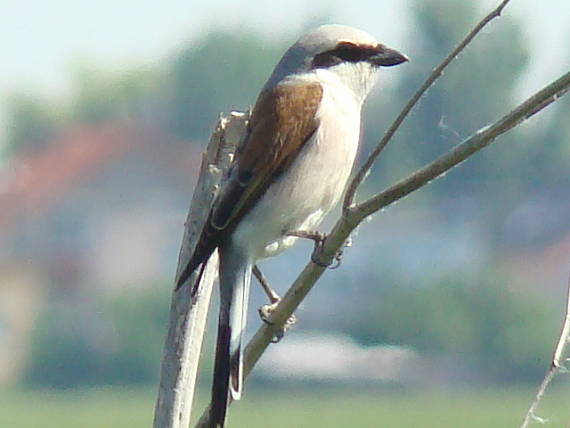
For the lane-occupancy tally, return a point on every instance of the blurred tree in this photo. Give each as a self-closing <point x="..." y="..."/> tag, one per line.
<point x="101" y="96"/>
<point x="31" y="123"/>
<point x="109" y="342"/>
<point x="550" y="157"/>
<point x="97" y="97"/>
<point x="475" y="90"/>
<point x="504" y="335"/>
<point x="218" y="72"/>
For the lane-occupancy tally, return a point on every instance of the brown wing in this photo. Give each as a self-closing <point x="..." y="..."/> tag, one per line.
<point x="282" y="121"/>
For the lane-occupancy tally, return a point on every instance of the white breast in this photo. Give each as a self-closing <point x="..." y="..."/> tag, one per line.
<point x="314" y="183"/>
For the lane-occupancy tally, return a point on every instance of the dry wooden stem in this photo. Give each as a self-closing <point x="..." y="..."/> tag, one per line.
<point x="188" y="316"/>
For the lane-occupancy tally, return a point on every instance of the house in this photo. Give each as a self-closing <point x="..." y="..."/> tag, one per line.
<point x="100" y="210"/>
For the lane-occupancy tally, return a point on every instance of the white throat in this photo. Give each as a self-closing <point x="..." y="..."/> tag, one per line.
<point x="358" y="78"/>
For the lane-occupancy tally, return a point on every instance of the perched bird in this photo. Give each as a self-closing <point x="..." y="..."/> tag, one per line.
<point x="288" y="173"/>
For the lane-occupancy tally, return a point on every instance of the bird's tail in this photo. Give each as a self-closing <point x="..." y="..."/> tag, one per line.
<point x="235" y="278"/>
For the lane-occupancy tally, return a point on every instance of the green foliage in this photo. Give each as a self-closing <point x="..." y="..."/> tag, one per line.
<point x="506" y="334"/>
<point x="31" y="123"/>
<point x="118" y="341"/>
<point x="98" y="97"/>
<point x="474" y="91"/>
<point x="102" y="97"/>
<point x="549" y="157"/>
<point x="219" y="72"/>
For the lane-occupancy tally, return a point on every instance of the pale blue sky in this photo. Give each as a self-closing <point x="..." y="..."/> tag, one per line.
<point x="41" y="40"/>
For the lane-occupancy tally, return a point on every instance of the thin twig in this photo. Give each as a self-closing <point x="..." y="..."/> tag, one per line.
<point x="352" y="217"/>
<point x="462" y="151"/>
<point x="556" y="364"/>
<point x="436" y="74"/>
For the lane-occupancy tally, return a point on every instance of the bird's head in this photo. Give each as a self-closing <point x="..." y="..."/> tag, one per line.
<point x="337" y="51"/>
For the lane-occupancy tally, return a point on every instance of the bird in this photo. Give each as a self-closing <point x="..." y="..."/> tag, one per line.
<point x="288" y="172"/>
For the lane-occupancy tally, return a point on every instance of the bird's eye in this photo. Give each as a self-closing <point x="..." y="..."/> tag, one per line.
<point x="326" y="59"/>
<point x="343" y="52"/>
<point x="350" y="53"/>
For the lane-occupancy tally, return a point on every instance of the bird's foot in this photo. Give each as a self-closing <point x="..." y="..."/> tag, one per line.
<point x="265" y="312"/>
<point x="319" y="239"/>
<point x="270" y="292"/>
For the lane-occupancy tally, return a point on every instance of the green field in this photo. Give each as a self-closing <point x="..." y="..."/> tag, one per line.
<point x="121" y="408"/>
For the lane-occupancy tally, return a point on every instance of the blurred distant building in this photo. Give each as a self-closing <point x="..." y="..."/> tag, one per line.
<point x="99" y="205"/>
<point x="100" y="209"/>
<point x="20" y="303"/>
<point x="328" y="358"/>
<point x="536" y="241"/>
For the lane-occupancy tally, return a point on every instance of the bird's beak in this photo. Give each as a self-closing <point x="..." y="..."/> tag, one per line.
<point x="387" y="57"/>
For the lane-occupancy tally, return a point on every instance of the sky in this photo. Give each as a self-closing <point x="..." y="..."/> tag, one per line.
<point x="41" y="41"/>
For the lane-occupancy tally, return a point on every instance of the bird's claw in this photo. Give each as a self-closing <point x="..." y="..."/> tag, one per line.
<point x="319" y="239"/>
<point x="265" y="312"/>
<point x="337" y="260"/>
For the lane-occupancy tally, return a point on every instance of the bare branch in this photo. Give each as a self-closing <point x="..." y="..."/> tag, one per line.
<point x="436" y="73"/>
<point x="352" y="216"/>
<point x="556" y="364"/>
<point x="459" y="153"/>
<point x="188" y="316"/>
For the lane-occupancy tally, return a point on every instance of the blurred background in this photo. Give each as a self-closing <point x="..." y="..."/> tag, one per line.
<point x="446" y="306"/>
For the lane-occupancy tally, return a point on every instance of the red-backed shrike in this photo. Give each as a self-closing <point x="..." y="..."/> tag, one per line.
<point x="288" y="173"/>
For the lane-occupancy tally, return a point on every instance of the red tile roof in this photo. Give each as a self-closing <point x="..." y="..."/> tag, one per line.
<point x="33" y="183"/>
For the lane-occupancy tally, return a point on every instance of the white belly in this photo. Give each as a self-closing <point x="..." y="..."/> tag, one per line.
<point x="314" y="183"/>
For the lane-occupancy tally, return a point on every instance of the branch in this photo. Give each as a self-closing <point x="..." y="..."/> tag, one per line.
<point x="188" y="316"/>
<point x="436" y="74"/>
<point x="353" y="216"/>
<point x="556" y="365"/>
<point x="462" y="151"/>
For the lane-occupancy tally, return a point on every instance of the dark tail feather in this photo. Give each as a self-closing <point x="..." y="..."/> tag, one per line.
<point x="235" y="277"/>
<point x="220" y="396"/>
<point x="186" y="274"/>
<point x="206" y="245"/>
